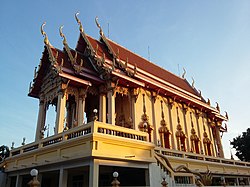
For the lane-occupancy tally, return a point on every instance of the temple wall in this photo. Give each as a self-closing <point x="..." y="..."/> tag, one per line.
<point x="174" y="111"/>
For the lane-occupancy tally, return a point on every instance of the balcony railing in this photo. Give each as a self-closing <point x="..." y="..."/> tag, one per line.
<point x="186" y="155"/>
<point x="82" y="131"/>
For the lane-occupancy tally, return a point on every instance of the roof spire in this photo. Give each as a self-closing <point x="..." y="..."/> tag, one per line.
<point x="193" y="82"/>
<point x="46" y="40"/>
<point x="226" y="115"/>
<point x="79" y="22"/>
<point x="217" y="106"/>
<point x="98" y="25"/>
<point x="184" y="73"/>
<point x="62" y="35"/>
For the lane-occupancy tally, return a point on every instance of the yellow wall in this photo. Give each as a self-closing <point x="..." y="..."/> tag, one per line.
<point x="170" y="116"/>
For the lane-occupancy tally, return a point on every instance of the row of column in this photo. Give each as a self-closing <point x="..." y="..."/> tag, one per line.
<point x="216" y="148"/>
<point x="60" y="112"/>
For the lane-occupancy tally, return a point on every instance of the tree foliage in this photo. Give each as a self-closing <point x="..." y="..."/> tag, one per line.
<point x="242" y="146"/>
<point x="4" y="152"/>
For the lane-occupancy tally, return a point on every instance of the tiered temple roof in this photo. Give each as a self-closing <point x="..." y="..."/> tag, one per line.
<point x="95" y="61"/>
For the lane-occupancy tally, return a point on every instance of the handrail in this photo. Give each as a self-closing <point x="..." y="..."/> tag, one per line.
<point x="93" y="127"/>
<point x="193" y="156"/>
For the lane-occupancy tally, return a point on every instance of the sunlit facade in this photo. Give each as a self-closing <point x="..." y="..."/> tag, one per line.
<point x="116" y="111"/>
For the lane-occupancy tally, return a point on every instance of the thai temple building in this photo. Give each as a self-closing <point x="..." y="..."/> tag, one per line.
<point x="118" y="112"/>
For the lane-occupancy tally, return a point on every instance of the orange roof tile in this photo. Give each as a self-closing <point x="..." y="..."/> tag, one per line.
<point x="151" y="68"/>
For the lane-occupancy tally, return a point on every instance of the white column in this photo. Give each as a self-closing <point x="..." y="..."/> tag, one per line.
<point x="40" y="120"/>
<point x="93" y="173"/>
<point x="18" y="181"/>
<point x="63" y="178"/>
<point x="111" y="107"/>
<point x="81" y="107"/>
<point x="102" y="108"/>
<point x="60" y="113"/>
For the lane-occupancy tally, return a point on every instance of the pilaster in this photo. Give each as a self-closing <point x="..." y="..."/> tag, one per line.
<point x="134" y="95"/>
<point x="198" y="114"/>
<point x="153" y="99"/>
<point x="184" y="112"/>
<point x="111" y="103"/>
<point x="170" y="106"/>
<point x="102" y="108"/>
<point x="81" y="106"/>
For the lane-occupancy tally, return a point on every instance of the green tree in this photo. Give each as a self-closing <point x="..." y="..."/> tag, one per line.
<point x="4" y="152"/>
<point x="242" y="146"/>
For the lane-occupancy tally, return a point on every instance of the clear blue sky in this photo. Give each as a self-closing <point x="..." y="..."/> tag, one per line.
<point x="211" y="39"/>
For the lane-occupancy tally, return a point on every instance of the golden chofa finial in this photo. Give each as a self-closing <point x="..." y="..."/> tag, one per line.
<point x="46" y="40"/>
<point x="78" y="21"/>
<point x="62" y="35"/>
<point x="98" y="25"/>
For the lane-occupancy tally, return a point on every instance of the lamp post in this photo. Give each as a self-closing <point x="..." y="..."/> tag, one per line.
<point x="34" y="182"/>
<point x="95" y="118"/>
<point x="115" y="182"/>
<point x="164" y="182"/>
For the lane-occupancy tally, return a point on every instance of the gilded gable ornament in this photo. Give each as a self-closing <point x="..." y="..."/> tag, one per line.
<point x="79" y="22"/>
<point x="62" y="35"/>
<point x="98" y="25"/>
<point x="46" y="40"/>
